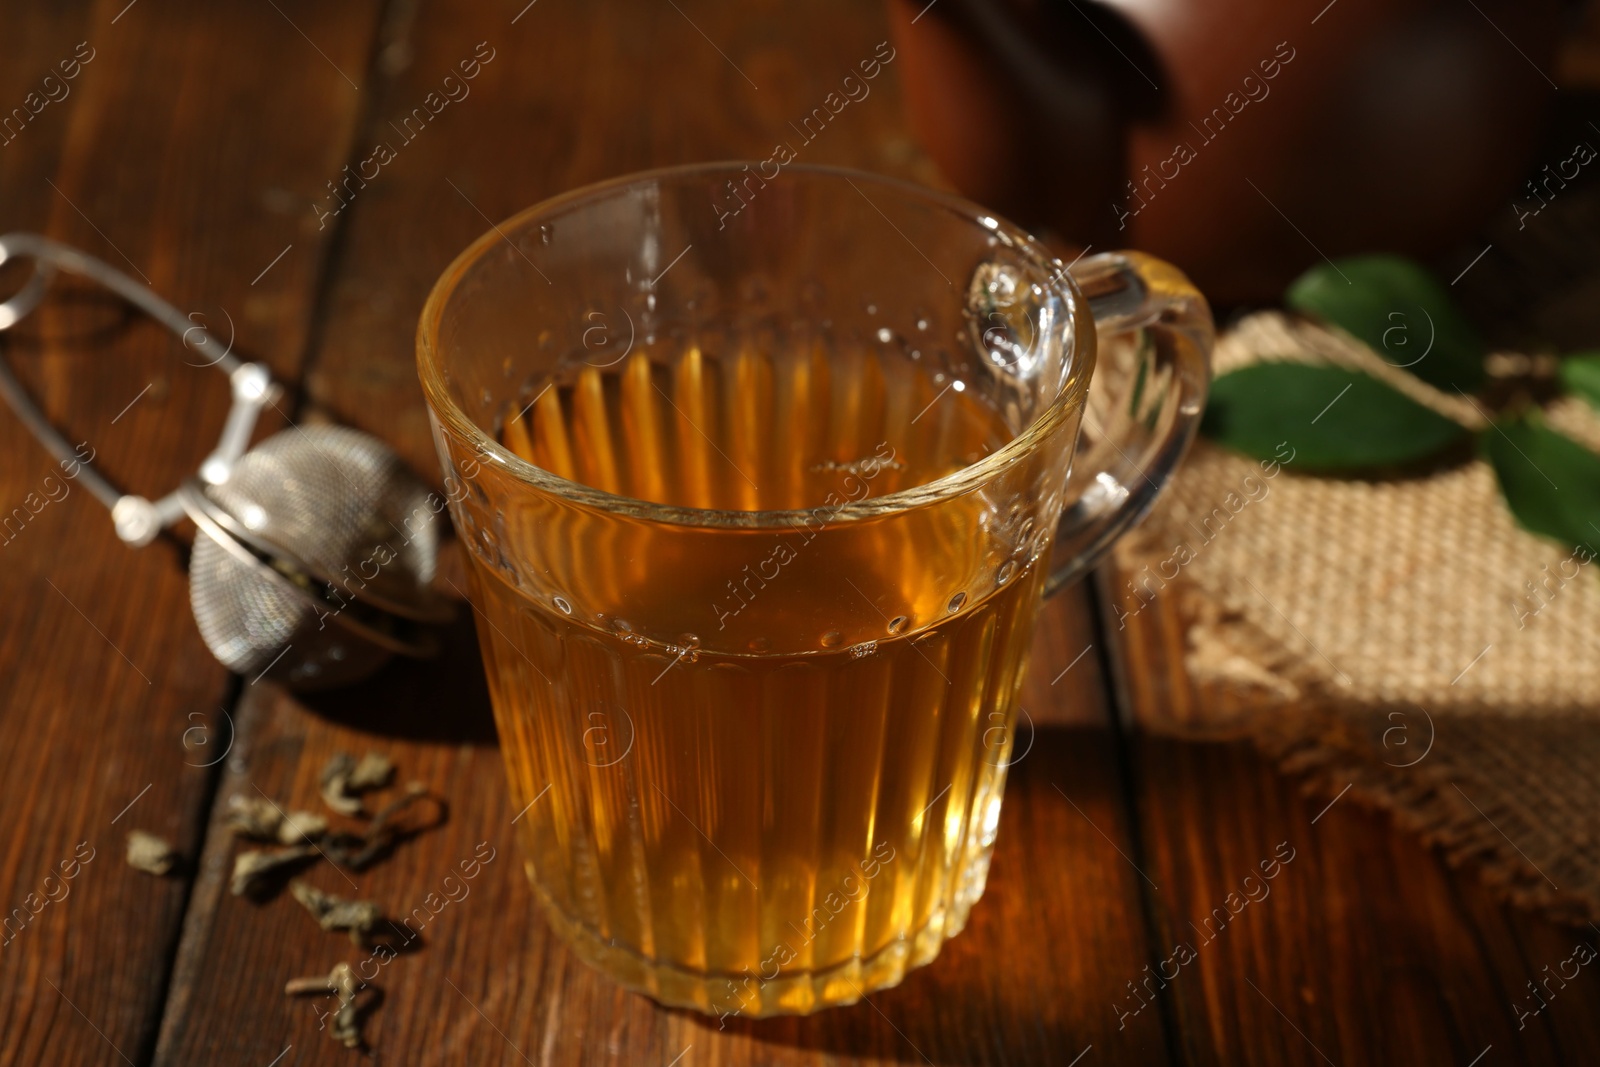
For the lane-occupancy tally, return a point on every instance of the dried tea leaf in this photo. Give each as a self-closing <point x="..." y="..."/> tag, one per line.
<point x="373" y="772"/>
<point x="344" y="780"/>
<point x="357" y="917"/>
<point x="149" y="853"/>
<point x="347" y="1020"/>
<point x="253" y="871"/>
<point x="341" y="981"/>
<point x="336" y="785"/>
<point x="384" y="820"/>
<point x="301" y="826"/>
<point x="254" y="817"/>
<point x="260" y="819"/>
<point x="316" y="983"/>
<point x="357" y="852"/>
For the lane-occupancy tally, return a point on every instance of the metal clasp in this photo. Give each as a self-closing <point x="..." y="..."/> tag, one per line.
<point x="137" y="519"/>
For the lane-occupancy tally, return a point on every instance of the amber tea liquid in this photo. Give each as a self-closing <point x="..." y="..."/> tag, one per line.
<point x="763" y="772"/>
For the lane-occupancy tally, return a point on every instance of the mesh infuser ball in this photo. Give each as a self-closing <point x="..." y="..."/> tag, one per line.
<point x="314" y="551"/>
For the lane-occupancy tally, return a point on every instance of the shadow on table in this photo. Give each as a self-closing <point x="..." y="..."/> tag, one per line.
<point x="445" y="698"/>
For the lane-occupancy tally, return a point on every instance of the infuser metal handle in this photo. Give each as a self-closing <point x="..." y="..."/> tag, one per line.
<point x="137" y="519"/>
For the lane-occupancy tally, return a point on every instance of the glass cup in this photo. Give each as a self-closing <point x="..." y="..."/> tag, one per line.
<point x="761" y="478"/>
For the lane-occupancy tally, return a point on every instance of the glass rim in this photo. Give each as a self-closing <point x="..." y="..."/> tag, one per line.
<point x="443" y="406"/>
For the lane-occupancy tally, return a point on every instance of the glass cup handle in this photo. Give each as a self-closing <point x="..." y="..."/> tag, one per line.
<point x="1145" y="402"/>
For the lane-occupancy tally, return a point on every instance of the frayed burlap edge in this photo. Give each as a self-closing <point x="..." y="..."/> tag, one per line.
<point x="1429" y="775"/>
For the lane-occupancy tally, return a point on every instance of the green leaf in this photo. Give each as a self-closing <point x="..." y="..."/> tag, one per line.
<point x="1334" y="419"/>
<point x="1401" y="312"/>
<point x="1551" y="482"/>
<point x="1580" y="376"/>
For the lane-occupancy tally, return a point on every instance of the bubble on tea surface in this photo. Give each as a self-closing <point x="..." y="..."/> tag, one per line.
<point x="562" y="605"/>
<point x="1003" y="575"/>
<point x="956" y="601"/>
<point x="863" y="650"/>
<point x="897" y="624"/>
<point x="832" y="639"/>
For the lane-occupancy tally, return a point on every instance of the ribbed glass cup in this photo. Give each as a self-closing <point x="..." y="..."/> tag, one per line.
<point x="759" y="481"/>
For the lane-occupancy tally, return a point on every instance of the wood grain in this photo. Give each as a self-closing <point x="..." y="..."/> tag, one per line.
<point x="162" y="158"/>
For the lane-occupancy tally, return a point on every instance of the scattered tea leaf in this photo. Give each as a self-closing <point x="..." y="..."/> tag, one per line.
<point x="347" y="1020"/>
<point x="306" y="835"/>
<point x="301" y="826"/>
<point x="1580" y="376"/>
<point x="355" y="917"/>
<point x="344" y="780"/>
<point x="341" y="981"/>
<point x="413" y="792"/>
<point x="254" y="817"/>
<point x="1550" y="482"/>
<point x="259" y="819"/>
<point x="373" y="772"/>
<point x="1334" y="419"/>
<point x="309" y="985"/>
<point x="1401" y="311"/>
<point x="149" y="853"/>
<point x="336" y="785"/>
<point x="358" y="851"/>
<point x="253" y="871"/>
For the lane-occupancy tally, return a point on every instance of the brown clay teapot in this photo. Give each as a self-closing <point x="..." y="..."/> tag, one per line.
<point x="1241" y="139"/>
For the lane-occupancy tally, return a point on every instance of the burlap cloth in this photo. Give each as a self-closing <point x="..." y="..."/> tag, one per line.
<point x="1385" y="634"/>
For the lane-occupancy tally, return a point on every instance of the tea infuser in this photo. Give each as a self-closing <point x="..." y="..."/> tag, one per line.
<point x="313" y="552"/>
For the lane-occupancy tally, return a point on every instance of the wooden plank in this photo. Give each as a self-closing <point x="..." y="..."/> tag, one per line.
<point x="161" y="155"/>
<point x="1367" y="947"/>
<point x="577" y="92"/>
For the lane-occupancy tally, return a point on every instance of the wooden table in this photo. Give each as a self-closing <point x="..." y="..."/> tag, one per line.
<point x="194" y="147"/>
